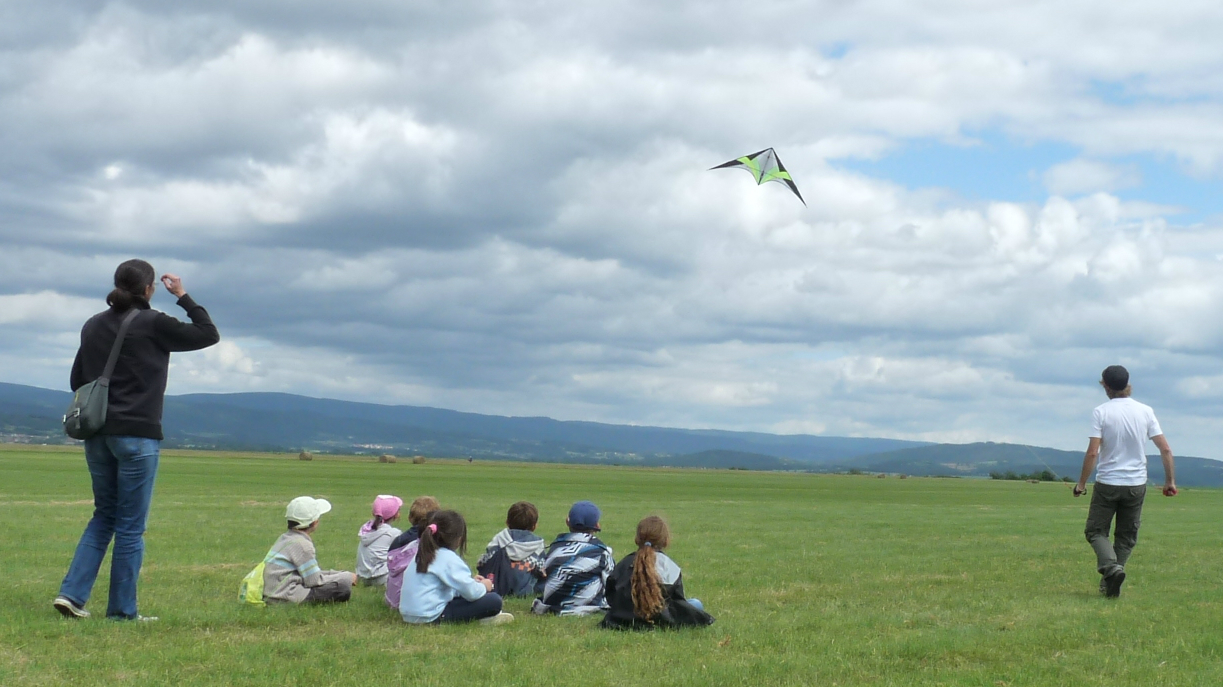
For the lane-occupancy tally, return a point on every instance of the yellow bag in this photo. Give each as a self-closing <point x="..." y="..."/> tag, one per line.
<point x="251" y="589"/>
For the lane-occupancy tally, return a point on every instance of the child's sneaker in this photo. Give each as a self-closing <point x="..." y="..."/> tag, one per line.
<point x="499" y="619"/>
<point x="68" y="609"/>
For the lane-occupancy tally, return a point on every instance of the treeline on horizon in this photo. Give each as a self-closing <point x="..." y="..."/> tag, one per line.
<point x="1045" y="475"/>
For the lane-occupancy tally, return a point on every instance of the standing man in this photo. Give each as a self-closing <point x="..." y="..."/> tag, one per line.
<point x="1119" y="432"/>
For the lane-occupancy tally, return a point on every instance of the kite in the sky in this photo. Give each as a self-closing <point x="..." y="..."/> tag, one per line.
<point x="765" y="166"/>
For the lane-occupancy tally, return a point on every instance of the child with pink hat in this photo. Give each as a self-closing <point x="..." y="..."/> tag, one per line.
<point x="376" y="537"/>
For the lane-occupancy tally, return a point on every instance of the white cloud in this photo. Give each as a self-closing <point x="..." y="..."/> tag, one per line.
<point x="44" y="309"/>
<point x="1080" y="176"/>
<point x="507" y="209"/>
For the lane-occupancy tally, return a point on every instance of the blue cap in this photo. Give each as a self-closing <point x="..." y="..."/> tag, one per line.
<point x="586" y="515"/>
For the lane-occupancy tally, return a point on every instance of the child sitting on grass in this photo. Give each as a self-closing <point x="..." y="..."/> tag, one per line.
<point x="514" y="558"/>
<point x="577" y="566"/>
<point x="418" y="516"/>
<point x="646" y="590"/>
<point x="401" y="555"/>
<point x="292" y="574"/>
<point x="376" y="537"/>
<point x="438" y="586"/>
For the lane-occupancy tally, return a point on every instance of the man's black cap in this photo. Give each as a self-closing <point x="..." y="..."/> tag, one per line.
<point x="1115" y="377"/>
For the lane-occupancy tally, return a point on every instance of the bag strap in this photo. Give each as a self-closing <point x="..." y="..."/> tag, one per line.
<point x="114" y="350"/>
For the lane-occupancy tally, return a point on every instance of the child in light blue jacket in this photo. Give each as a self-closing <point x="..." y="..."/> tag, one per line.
<point x="438" y="585"/>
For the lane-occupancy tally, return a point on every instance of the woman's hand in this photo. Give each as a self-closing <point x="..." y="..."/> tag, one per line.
<point x="173" y="284"/>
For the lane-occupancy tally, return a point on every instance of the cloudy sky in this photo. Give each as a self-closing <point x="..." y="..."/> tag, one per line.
<point x="503" y="206"/>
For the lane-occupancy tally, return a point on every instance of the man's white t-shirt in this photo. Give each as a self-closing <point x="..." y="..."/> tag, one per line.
<point x="1123" y="426"/>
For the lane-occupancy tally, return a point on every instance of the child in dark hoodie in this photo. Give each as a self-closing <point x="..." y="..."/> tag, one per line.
<point x="514" y="558"/>
<point x="418" y="516"/>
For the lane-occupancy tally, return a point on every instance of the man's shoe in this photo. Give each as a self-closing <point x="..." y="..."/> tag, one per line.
<point x="68" y="609"/>
<point x="1112" y="583"/>
<point x="499" y="619"/>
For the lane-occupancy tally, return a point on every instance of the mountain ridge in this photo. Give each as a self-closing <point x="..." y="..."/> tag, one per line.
<point x="273" y="421"/>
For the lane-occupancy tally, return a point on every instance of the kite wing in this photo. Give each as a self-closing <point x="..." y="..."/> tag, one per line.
<point x="764" y="166"/>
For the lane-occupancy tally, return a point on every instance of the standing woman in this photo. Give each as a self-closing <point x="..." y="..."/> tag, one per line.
<point x="123" y="456"/>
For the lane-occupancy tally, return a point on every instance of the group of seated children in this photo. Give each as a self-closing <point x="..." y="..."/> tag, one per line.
<point x="427" y="580"/>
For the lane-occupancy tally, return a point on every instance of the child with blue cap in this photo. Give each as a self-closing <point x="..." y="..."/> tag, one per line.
<point x="577" y="565"/>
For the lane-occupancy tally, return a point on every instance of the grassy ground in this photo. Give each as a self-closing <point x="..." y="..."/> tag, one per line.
<point x="814" y="579"/>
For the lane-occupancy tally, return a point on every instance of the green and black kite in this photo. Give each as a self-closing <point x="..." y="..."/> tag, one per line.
<point x="764" y="166"/>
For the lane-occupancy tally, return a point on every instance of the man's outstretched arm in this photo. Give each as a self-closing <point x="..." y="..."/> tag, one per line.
<point x="1089" y="465"/>
<point x="1165" y="455"/>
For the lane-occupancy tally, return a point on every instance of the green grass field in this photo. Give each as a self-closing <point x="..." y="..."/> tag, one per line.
<point x="814" y="579"/>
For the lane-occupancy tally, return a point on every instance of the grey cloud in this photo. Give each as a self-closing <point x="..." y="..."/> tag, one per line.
<point x="503" y="207"/>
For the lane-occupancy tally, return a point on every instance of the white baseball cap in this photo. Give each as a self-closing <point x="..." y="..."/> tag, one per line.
<point x="304" y="510"/>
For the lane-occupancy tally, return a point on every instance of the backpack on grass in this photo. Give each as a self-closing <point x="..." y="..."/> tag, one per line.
<point x="251" y="589"/>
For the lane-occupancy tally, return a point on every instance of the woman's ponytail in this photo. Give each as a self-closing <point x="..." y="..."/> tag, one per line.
<point x="132" y="281"/>
<point x="652" y="535"/>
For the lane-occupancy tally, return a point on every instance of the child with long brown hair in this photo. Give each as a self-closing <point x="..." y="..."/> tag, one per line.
<point x="439" y="586"/>
<point x="646" y="589"/>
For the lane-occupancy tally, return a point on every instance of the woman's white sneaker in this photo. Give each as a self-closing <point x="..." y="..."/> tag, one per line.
<point x="68" y="609"/>
<point x="499" y="619"/>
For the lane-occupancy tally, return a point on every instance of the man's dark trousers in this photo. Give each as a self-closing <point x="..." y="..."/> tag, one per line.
<point x="1107" y="502"/>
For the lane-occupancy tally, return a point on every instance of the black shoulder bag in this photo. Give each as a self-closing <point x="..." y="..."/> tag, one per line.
<point x="87" y="413"/>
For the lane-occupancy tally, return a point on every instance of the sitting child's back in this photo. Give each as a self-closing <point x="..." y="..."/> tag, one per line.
<point x="577" y="565"/>
<point x="438" y="585"/>
<point x="375" y="538"/>
<point x="292" y="572"/>
<point x="646" y="590"/>
<point x="514" y="558"/>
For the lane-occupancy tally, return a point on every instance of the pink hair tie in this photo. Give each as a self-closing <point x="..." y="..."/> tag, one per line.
<point x="433" y="529"/>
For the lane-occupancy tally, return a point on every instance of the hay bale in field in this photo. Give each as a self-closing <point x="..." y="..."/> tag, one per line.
<point x="386" y="458"/>
<point x="1033" y="481"/>
<point x="418" y="460"/>
<point x="882" y="475"/>
<point x="305" y="455"/>
<point x="904" y="476"/>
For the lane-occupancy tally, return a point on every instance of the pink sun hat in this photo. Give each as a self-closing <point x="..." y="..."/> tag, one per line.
<point x="387" y="506"/>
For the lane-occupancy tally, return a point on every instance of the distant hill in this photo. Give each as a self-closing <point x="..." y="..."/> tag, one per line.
<point x="981" y="459"/>
<point x="970" y="460"/>
<point x="272" y="421"/>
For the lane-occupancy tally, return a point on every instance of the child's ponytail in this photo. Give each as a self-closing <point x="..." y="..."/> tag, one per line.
<point x="652" y="535"/>
<point x="376" y="523"/>
<point x="446" y="530"/>
<point x="427" y="549"/>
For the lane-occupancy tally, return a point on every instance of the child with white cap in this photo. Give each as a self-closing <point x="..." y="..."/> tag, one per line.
<point x="376" y="536"/>
<point x="292" y="573"/>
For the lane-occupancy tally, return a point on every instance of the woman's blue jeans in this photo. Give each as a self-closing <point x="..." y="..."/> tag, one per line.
<point x="123" y="470"/>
